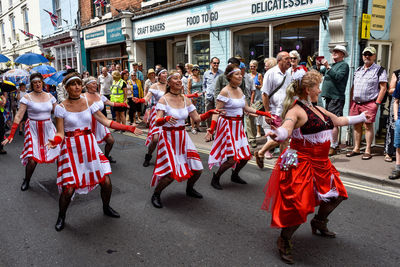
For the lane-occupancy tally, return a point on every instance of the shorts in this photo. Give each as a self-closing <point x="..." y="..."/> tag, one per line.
<point x="370" y="107"/>
<point x="335" y="106"/>
<point x="119" y="109"/>
<point x="397" y="134"/>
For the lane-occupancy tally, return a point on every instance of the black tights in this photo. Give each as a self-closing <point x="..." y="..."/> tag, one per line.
<point x="325" y="208"/>
<point x="167" y="180"/>
<point x="29" y="169"/>
<point x="68" y="192"/>
<point x="228" y="164"/>
<point x="153" y="144"/>
<point x="109" y="145"/>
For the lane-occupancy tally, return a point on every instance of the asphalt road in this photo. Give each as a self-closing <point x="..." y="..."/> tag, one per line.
<point x="226" y="228"/>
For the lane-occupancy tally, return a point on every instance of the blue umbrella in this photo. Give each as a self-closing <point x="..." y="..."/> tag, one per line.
<point x="56" y="78"/>
<point x="44" y="69"/>
<point x="31" y="58"/>
<point x="17" y="76"/>
<point x="3" y="58"/>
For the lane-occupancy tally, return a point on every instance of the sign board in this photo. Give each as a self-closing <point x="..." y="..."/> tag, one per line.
<point x="103" y="35"/>
<point x="222" y="13"/>
<point x="57" y="42"/>
<point x="378" y="15"/>
<point x="366" y="26"/>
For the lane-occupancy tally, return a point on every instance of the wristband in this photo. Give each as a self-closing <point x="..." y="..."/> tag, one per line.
<point x="357" y="119"/>
<point x="207" y="115"/>
<point x="263" y="113"/>
<point x="141" y="100"/>
<point x="192" y="95"/>
<point x="122" y="127"/>
<point x="377" y="103"/>
<point x="162" y="121"/>
<point x="212" y="127"/>
<point x="57" y="140"/>
<point x="13" y="130"/>
<point x="120" y="105"/>
<point x="281" y="134"/>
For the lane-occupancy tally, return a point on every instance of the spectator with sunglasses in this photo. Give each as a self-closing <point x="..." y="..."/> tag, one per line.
<point x="209" y="78"/>
<point x="369" y="88"/>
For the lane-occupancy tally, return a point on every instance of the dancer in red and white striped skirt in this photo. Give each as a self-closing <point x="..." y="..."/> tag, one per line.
<point x="102" y="133"/>
<point x="177" y="157"/>
<point x="38" y="128"/>
<point x="230" y="147"/>
<point x="156" y="91"/>
<point x="81" y="165"/>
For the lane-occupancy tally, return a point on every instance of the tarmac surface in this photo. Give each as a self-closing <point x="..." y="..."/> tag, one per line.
<point x="226" y="228"/>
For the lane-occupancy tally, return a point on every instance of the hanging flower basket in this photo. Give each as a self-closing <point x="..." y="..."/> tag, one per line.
<point x="49" y="57"/>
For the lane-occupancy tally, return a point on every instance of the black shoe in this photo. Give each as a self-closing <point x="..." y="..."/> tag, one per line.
<point x="3" y="152"/>
<point x="395" y="175"/>
<point x="111" y="160"/>
<point x="215" y="182"/>
<point x="20" y="132"/>
<point x="191" y="192"/>
<point x="236" y="179"/>
<point x="156" y="201"/>
<point x="147" y="159"/>
<point x="60" y="223"/>
<point x="110" y="212"/>
<point x="25" y="185"/>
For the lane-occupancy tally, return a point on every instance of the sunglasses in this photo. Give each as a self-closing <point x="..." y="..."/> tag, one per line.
<point x="293" y="58"/>
<point x="367" y="54"/>
<point x="216" y="63"/>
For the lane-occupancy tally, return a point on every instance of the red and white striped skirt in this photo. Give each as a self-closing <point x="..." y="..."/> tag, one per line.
<point x="37" y="134"/>
<point x="176" y="155"/>
<point x="153" y="128"/>
<point x="100" y="131"/>
<point x="81" y="165"/>
<point x="230" y="141"/>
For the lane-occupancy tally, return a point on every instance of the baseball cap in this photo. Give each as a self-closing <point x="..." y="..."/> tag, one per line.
<point x="370" y="49"/>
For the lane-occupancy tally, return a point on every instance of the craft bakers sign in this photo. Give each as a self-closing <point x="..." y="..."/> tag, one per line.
<point x="222" y="13"/>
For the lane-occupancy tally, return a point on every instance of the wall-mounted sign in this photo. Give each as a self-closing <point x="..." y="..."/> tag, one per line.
<point x="103" y="34"/>
<point x="222" y="13"/>
<point x="366" y="26"/>
<point x="57" y="42"/>
<point x="378" y="15"/>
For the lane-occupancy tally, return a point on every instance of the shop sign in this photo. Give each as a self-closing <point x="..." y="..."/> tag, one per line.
<point x="378" y="15"/>
<point x="103" y="34"/>
<point x="57" y="42"/>
<point x="366" y="26"/>
<point x="222" y="13"/>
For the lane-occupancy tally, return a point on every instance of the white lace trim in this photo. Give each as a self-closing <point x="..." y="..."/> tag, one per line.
<point x="317" y="138"/>
<point x="332" y="193"/>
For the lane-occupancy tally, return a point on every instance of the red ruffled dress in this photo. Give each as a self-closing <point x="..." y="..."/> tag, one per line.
<point x="292" y="194"/>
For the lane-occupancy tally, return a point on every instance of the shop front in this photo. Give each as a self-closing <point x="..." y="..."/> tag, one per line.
<point x="249" y="29"/>
<point x="103" y="46"/>
<point x="60" y="50"/>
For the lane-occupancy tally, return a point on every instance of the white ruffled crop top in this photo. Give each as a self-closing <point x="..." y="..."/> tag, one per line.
<point x="39" y="111"/>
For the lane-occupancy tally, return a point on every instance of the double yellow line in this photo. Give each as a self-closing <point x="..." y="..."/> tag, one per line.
<point x="346" y="183"/>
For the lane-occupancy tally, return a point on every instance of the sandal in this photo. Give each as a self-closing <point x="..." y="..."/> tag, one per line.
<point x="366" y="156"/>
<point x="388" y="158"/>
<point x="352" y="154"/>
<point x="259" y="160"/>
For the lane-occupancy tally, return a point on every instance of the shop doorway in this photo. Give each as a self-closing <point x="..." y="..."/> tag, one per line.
<point x="156" y="53"/>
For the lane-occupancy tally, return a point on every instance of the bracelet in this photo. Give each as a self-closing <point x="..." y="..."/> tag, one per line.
<point x="377" y="103"/>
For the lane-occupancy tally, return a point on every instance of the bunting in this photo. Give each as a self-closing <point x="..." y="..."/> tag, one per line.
<point x="101" y="3"/>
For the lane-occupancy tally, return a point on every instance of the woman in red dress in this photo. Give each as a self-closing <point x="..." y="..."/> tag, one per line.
<point x="304" y="177"/>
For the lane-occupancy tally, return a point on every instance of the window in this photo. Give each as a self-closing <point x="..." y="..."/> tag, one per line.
<point x="1" y="7"/>
<point x="99" y="11"/>
<point x="12" y="23"/>
<point x="57" y="12"/>
<point x="201" y="51"/>
<point x="25" y="16"/>
<point x="3" y="34"/>
<point x="10" y="3"/>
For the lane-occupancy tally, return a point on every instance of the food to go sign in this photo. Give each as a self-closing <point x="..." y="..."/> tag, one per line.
<point x="221" y="13"/>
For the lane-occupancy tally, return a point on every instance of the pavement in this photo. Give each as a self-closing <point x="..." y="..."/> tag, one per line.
<point x="375" y="170"/>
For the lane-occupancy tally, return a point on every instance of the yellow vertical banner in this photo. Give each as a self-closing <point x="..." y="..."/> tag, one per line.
<point x="366" y="26"/>
<point x="378" y="15"/>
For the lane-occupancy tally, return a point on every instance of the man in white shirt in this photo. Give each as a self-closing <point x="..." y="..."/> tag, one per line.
<point x="105" y="81"/>
<point x="275" y="82"/>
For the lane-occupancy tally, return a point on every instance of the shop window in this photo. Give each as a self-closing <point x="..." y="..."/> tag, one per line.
<point x="302" y="36"/>
<point x="251" y="43"/>
<point x="180" y="53"/>
<point x="201" y="51"/>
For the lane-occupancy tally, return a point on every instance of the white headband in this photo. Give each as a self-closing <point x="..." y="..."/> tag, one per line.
<point x="235" y="70"/>
<point x="36" y="79"/>
<point x="91" y="81"/>
<point x="175" y="74"/>
<point x="72" y="79"/>
<point x="164" y="70"/>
